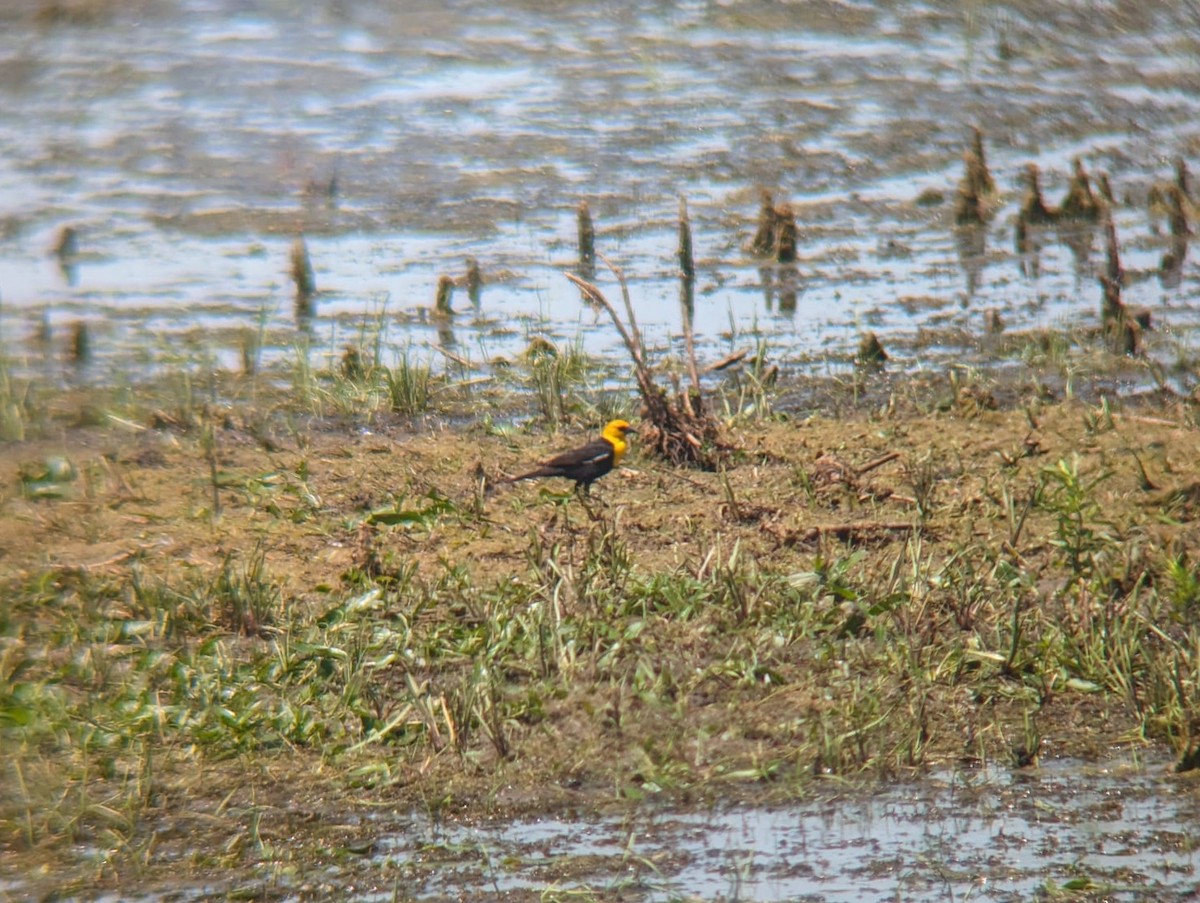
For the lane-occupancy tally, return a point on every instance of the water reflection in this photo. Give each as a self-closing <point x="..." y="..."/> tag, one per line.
<point x="1079" y="237"/>
<point x="445" y="333"/>
<point x="1178" y="204"/>
<point x="69" y="268"/>
<point x="687" y="300"/>
<point x="1027" y="240"/>
<point x="780" y="284"/>
<point x="787" y="287"/>
<point x="1170" y="268"/>
<point x="474" y="284"/>
<point x="971" y="244"/>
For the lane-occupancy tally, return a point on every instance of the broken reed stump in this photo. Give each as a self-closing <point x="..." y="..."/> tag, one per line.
<point x="687" y="271"/>
<point x="977" y="188"/>
<point x="474" y="282"/>
<point x="1080" y="203"/>
<point x="1182" y="182"/>
<point x="441" y="301"/>
<point x="763" y="243"/>
<point x="305" y="281"/>
<point x="1113" y="270"/>
<point x="1034" y="211"/>
<point x="66" y="246"/>
<point x="1170" y="268"/>
<point x="352" y="365"/>
<point x="687" y="263"/>
<point x="1112" y="308"/>
<point x="81" y="343"/>
<point x="969" y="209"/>
<point x="993" y="323"/>
<point x="1123" y="327"/>
<point x="1125" y="337"/>
<point x="776" y="233"/>
<point x="871" y="355"/>
<point x="678" y="428"/>
<point x="66" y="249"/>
<point x="587" y="241"/>
<point x="1177" y="216"/>
<point x="302" y="270"/>
<point x="785" y="234"/>
<point x="1113" y="277"/>
<point x="985" y="185"/>
<point x="687" y="295"/>
<point x="1021" y="237"/>
<point x="251" y="346"/>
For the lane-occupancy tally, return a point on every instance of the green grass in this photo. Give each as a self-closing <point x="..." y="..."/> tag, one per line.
<point x="16" y="401"/>
<point x="408" y="387"/>
<point x="100" y="675"/>
<point x="558" y="379"/>
<point x="123" y="689"/>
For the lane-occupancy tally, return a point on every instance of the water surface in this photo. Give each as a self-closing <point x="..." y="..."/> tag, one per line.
<point x="188" y="141"/>
<point x="1119" y="832"/>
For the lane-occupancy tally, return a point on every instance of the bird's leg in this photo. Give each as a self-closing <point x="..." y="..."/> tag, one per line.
<point x="585" y="499"/>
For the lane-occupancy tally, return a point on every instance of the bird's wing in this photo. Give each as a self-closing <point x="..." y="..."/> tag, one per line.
<point x="592" y="453"/>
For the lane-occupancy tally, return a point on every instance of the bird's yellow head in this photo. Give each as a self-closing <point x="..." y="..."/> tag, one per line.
<point x="614" y="432"/>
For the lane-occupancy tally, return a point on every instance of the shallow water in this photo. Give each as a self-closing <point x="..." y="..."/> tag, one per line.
<point x="179" y="136"/>
<point x="1122" y="833"/>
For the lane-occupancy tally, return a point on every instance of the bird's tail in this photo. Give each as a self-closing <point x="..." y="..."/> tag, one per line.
<point x="532" y="475"/>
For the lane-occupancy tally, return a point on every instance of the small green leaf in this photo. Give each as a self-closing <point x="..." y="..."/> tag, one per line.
<point x="1083" y="686"/>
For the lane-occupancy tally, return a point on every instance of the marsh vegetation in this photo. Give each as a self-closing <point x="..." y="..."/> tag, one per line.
<point x="231" y="621"/>
<point x="919" y="509"/>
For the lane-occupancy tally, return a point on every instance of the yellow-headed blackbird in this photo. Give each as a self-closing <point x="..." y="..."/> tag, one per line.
<point x="590" y="462"/>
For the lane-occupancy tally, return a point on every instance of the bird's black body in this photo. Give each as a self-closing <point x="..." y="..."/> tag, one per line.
<point x="584" y="465"/>
<point x="587" y="463"/>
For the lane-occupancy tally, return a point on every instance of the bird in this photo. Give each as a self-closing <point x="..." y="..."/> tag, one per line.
<point x="587" y="463"/>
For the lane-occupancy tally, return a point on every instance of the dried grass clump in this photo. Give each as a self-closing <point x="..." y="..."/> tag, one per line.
<point x="676" y="428"/>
